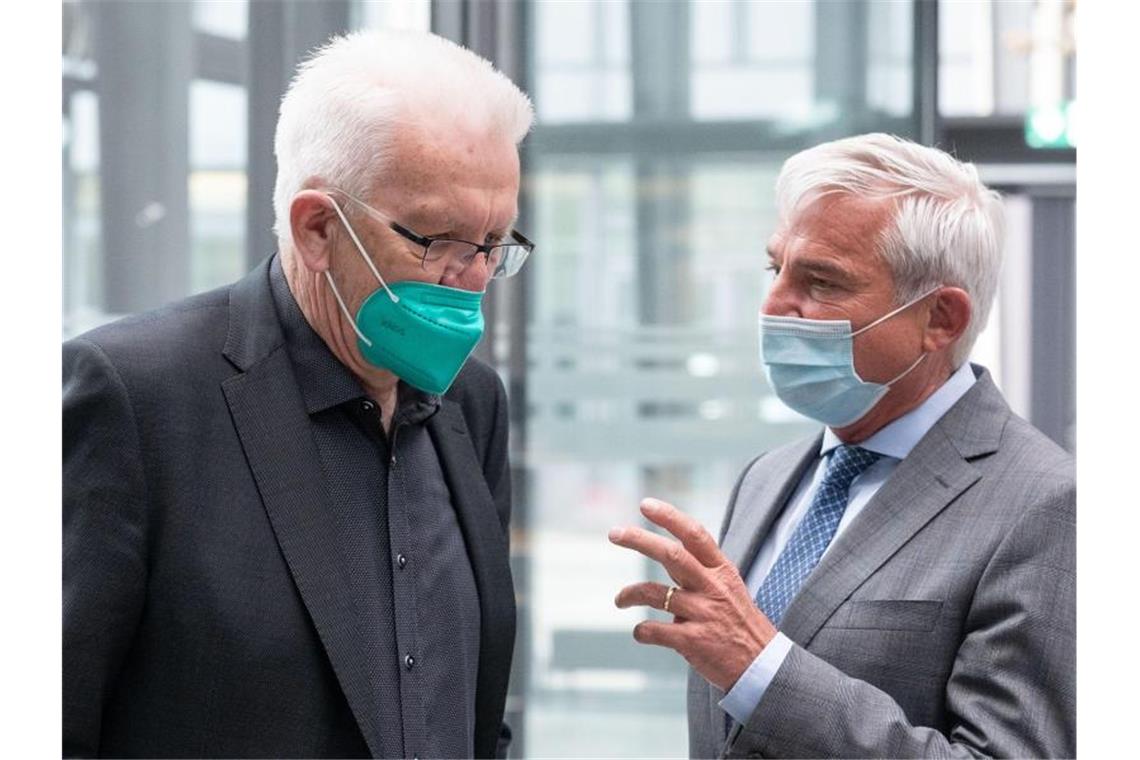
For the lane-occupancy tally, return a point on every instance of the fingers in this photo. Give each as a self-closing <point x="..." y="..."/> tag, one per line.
<point x="693" y="536"/>
<point x="672" y="635"/>
<point x="681" y="566"/>
<point x="653" y="595"/>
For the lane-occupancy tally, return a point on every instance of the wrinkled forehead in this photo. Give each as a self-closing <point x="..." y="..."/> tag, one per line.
<point x="429" y="158"/>
<point x="843" y="229"/>
<point x="839" y="212"/>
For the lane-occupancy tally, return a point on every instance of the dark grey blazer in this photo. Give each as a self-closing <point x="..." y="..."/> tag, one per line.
<point x="942" y="623"/>
<point x="204" y="611"/>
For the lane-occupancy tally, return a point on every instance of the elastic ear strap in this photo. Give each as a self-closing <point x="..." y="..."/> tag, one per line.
<point x="360" y="247"/>
<point x="906" y="371"/>
<point x="890" y="314"/>
<point x="344" y="309"/>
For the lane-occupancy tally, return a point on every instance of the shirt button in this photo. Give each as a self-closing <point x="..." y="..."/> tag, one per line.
<point x="409" y="662"/>
<point x="367" y="406"/>
<point x="401" y="560"/>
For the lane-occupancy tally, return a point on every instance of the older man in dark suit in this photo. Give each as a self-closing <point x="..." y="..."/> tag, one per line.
<point x="286" y="502"/>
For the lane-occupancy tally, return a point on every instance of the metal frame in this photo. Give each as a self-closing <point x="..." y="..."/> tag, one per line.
<point x="144" y="151"/>
<point x="925" y="82"/>
<point x="280" y="35"/>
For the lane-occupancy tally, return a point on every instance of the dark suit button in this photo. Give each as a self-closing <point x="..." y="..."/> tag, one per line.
<point x="401" y="560"/>
<point x="367" y="406"/>
<point x="409" y="662"/>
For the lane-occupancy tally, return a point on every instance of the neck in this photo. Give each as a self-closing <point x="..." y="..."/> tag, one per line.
<point x="905" y="396"/>
<point x="323" y="314"/>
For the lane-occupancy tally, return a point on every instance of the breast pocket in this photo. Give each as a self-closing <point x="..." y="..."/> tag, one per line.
<point x="889" y="615"/>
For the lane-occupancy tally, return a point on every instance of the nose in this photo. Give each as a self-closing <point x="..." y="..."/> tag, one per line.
<point x="473" y="277"/>
<point x="781" y="300"/>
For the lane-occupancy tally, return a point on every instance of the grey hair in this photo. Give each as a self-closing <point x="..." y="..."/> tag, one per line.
<point x="340" y="115"/>
<point x="946" y="228"/>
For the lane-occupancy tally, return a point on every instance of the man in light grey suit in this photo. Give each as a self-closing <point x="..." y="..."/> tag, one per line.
<point x="903" y="583"/>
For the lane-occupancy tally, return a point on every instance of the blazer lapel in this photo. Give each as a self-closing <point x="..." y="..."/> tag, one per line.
<point x="760" y="498"/>
<point x="490" y="563"/>
<point x="269" y="415"/>
<point x="935" y="473"/>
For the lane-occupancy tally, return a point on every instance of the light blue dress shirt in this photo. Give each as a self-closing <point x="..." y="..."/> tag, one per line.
<point x="894" y="442"/>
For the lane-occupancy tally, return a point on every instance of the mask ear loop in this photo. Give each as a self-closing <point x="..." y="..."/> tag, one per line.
<point x="906" y="371"/>
<point x="344" y="309"/>
<point x="359" y="247"/>
<point x="890" y="314"/>
<point x="887" y="316"/>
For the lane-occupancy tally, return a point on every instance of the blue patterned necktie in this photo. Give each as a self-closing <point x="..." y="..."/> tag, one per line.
<point x="814" y="533"/>
<point x="811" y="536"/>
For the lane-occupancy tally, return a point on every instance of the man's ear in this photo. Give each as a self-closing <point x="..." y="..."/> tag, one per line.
<point x="313" y="222"/>
<point x="948" y="319"/>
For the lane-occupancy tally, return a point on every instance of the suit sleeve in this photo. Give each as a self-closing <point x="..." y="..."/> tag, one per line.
<point x="1011" y="692"/>
<point x="104" y="525"/>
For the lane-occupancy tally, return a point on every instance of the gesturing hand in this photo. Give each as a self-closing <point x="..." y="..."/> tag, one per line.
<point x="716" y="627"/>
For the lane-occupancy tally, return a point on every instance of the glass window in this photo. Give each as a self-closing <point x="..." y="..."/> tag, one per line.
<point x="581" y="54"/>
<point x="642" y="367"/>
<point x="181" y="180"/>
<point x="218" y="114"/>
<point x="393" y="14"/>
<point x="890" y="32"/>
<point x="1000" y="58"/>
<point x="752" y="60"/>
<point x="225" y="18"/>
<point x="82" y="239"/>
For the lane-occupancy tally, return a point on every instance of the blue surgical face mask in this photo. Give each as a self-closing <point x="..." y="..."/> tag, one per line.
<point x="810" y="364"/>
<point x="419" y="331"/>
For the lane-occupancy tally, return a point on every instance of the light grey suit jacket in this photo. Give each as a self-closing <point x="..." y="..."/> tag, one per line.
<point x="942" y="623"/>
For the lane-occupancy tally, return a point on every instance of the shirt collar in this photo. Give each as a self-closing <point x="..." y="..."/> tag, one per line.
<point x="900" y="436"/>
<point x="323" y="380"/>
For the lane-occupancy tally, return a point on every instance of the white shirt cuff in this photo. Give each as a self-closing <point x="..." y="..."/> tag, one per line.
<point x="746" y="693"/>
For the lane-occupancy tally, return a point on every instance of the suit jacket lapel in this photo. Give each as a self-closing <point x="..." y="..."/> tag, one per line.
<point x="490" y="563"/>
<point x="269" y="416"/>
<point x="935" y="473"/>
<point x="760" y="498"/>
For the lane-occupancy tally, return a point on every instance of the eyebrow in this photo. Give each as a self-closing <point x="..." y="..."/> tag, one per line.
<point x="826" y="267"/>
<point x="819" y="266"/>
<point x="503" y="232"/>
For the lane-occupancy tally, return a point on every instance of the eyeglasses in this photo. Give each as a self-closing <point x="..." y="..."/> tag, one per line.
<point x="503" y="259"/>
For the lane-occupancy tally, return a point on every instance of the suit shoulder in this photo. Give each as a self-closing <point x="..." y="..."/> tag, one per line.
<point x="780" y="455"/>
<point x="171" y="339"/>
<point x="1036" y="457"/>
<point x="477" y="384"/>
<point x="1028" y="475"/>
<point x="476" y="375"/>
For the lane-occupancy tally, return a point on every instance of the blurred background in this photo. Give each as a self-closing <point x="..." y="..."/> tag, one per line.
<point x="628" y="344"/>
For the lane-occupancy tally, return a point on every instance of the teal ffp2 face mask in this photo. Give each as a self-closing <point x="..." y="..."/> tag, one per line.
<point x="810" y="364"/>
<point x="419" y="331"/>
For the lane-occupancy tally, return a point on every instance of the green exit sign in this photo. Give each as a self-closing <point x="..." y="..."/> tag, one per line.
<point x="1051" y="126"/>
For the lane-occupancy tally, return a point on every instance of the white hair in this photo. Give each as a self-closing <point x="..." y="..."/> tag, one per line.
<point x="348" y="100"/>
<point x="946" y="227"/>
